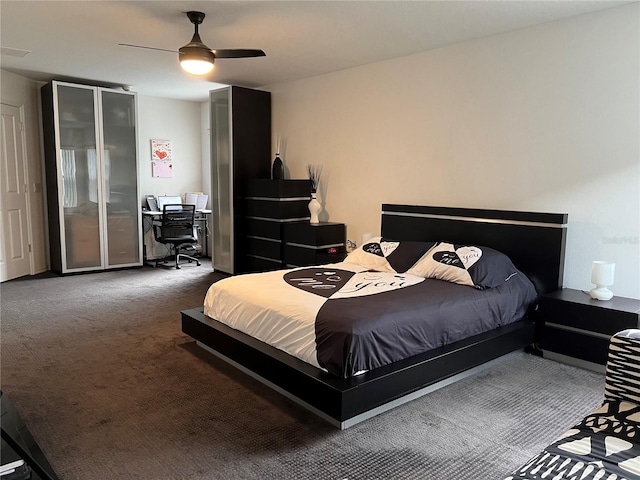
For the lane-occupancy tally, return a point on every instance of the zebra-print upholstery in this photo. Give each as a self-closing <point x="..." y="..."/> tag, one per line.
<point x="623" y="367"/>
<point x="605" y="445"/>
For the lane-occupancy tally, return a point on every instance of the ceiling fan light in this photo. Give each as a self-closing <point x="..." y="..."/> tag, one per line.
<point x="196" y="59"/>
<point x="196" y="67"/>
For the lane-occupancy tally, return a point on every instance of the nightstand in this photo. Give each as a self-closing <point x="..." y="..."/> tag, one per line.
<point x="576" y="329"/>
<point x="314" y="243"/>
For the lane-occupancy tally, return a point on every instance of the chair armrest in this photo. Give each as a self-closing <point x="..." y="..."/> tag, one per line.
<point x="623" y="367"/>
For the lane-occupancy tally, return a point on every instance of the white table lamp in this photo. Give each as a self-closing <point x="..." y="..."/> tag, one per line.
<point x="602" y="276"/>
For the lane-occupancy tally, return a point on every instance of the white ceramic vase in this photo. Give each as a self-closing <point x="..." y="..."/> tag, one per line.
<point x="314" y="208"/>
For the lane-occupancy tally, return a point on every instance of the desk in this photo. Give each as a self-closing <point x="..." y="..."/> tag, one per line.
<point x="154" y="250"/>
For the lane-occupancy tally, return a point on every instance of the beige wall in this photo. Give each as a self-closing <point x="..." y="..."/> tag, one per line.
<point x="178" y="121"/>
<point x="22" y="92"/>
<point x="540" y="119"/>
<point x="205" y="145"/>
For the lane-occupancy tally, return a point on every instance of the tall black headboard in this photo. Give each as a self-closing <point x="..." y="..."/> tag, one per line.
<point x="535" y="242"/>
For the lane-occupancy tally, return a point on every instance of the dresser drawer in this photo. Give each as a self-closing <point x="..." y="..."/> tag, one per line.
<point x="302" y="256"/>
<point x="265" y="188"/>
<point x="325" y="234"/>
<point x="576" y="344"/>
<point x="283" y="208"/>
<point x="264" y="228"/>
<point x="264" y="247"/>
<point x="256" y="263"/>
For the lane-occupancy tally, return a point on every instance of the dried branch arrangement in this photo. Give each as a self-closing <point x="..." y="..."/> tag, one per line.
<point x="314" y="175"/>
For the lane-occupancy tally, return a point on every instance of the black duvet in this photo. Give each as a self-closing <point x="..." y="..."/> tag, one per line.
<point x="366" y="332"/>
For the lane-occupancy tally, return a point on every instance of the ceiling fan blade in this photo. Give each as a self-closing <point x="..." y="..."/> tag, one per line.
<point x="238" y="53"/>
<point x="148" y="48"/>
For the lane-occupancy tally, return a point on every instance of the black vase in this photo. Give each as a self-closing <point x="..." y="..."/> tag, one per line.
<point x="277" y="171"/>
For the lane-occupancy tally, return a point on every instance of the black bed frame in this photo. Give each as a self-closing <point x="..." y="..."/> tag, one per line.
<point x="534" y="241"/>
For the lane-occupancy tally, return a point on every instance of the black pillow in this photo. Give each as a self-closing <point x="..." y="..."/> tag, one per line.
<point x="492" y="270"/>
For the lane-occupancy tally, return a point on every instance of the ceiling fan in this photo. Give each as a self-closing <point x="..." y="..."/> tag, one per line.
<point x="195" y="57"/>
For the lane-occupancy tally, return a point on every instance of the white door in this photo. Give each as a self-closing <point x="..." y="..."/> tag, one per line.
<point x="15" y="259"/>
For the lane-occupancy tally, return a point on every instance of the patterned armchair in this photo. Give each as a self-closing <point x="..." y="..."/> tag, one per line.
<point x="605" y="445"/>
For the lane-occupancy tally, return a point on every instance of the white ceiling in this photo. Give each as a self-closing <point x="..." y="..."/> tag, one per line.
<point x="79" y="39"/>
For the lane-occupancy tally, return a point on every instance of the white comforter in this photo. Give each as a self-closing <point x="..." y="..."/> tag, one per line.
<point x="270" y="309"/>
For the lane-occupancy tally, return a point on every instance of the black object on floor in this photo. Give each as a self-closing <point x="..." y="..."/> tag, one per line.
<point x="20" y="452"/>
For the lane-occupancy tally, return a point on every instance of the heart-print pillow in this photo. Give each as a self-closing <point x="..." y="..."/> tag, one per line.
<point x="385" y="255"/>
<point x="479" y="267"/>
<point x="443" y="263"/>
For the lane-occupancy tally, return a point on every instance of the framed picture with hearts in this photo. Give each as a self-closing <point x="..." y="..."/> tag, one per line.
<point x="161" y="150"/>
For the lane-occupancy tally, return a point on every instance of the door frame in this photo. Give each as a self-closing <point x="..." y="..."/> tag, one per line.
<point x="27" y="182"/>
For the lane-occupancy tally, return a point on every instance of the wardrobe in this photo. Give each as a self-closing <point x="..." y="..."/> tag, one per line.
<point x="240" y="120"/>
<point x="91" y="168"/>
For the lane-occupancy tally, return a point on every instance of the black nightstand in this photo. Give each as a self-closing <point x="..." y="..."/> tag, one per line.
<point x="574" y="326"/>
<point x="314" y="243"/>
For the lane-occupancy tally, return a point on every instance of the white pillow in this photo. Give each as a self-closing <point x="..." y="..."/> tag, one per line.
<point x="372" y="255"/>
<point x="446" y="262"/>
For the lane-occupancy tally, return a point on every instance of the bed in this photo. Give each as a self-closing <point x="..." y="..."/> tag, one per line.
<point x="345" y="394"/>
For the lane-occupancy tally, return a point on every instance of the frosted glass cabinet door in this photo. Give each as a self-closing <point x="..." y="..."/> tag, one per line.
<point x="221" y="187"/>
<point x="120" y="174"/>
<point x="79" y="171"/>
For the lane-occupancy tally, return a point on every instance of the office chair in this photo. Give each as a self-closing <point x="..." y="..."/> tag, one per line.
<point x="177" y="229"/>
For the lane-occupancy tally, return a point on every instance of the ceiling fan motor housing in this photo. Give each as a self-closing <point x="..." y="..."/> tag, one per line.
<point x="195" y="17"/>
<point x="195" y="48"/>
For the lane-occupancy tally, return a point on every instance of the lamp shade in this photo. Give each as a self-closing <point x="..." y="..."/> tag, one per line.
<point x="602" y="275"/>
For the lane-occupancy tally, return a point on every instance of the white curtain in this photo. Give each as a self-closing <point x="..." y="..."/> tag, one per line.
<point x="92" y="166"/>
<point x="69" y="184"/>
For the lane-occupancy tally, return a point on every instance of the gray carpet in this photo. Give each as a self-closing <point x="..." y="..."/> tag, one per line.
<point x="111" y="389"/>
